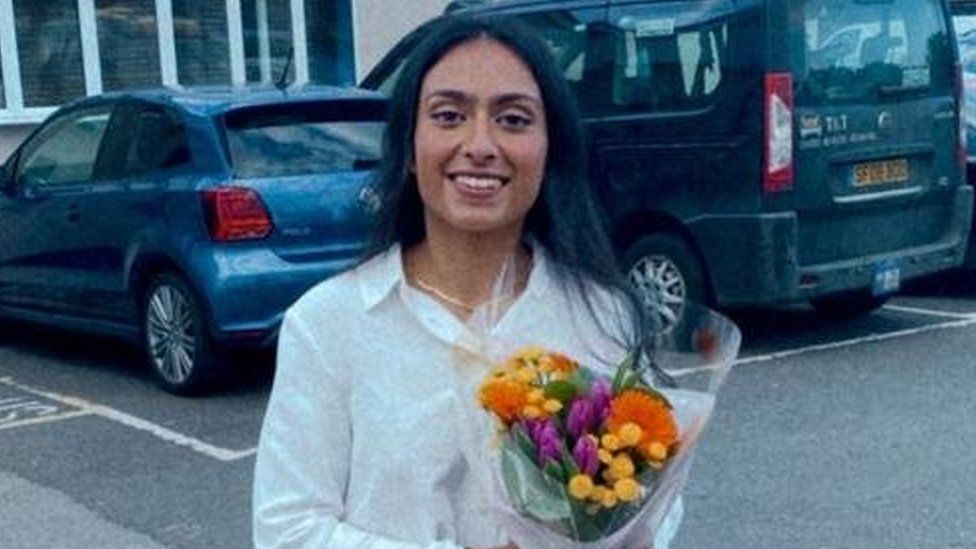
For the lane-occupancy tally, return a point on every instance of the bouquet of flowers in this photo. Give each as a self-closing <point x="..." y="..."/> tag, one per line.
<point x="581" y="460"/>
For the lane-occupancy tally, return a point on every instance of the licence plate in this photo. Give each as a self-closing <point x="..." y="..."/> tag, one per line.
<point x="880" y="172"/>
<point x="887" y="277"/>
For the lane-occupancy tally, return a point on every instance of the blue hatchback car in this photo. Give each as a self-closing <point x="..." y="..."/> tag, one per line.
<point x="188" y="221"/>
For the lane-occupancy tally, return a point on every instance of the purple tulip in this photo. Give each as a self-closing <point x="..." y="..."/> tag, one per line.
<point x="580" y="419"/>
<point x="600" y="396"/>
<point x="547" y="440"/>
<point x="585" y="455"/>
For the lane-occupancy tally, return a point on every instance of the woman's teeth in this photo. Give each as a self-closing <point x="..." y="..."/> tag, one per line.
<point x="479" y="183"/>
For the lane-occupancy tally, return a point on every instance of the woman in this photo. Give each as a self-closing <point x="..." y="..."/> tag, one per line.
<point x="485" y="172"/>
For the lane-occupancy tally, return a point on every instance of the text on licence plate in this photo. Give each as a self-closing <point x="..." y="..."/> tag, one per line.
<point x="880" y="172"/>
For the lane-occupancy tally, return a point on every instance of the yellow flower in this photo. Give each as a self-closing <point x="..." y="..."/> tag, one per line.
<point x="552" y="406"/>
<point x="557" y="363"/>
<point x="630" y="434"/>
<point x="580" y="486"/>
<point x="609" y="499"/>
<point x="657" y="451"/>
<point x="525" y="375"/>
<point x="530" y="353"/>
<point x="532" y="412"/>
<point x="610" y="442"/>
<point x="622" y="466"/>
<point x="626" y="489"/>
<point x="536" y="396"/>
<point x="604" y="456"/>
<point x="598" y="492"/>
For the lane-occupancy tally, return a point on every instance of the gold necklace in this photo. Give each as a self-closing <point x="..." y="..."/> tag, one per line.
<point x="436" y="292"/>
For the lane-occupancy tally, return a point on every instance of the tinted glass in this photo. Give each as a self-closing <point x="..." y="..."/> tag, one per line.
<point x="966" y="36"/>
<point x="299" y="141"/>
<point x="669" y="56"/>
<point x="64" y="152"/>
<point x="202" y="51"/>
<point x="862" y="51"/>
<point x="159" y="142"/>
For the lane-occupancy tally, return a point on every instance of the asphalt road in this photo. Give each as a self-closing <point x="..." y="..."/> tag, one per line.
<point x="828" y="434"/>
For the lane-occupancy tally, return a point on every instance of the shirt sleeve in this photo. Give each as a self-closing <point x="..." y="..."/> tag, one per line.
<point x="302" y="468"/>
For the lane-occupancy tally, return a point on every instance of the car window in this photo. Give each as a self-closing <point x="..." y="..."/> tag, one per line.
<point x="669" y="56"/>
<point x="65" y="151"/>
<point x="965" y="26"/>
<point x="857" y="51"/>
<point x="304" y="139"/>
<point x="158" y="142"/>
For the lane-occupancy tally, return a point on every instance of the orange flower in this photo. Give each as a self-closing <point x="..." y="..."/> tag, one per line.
<point x="555" y="362"/>
<point x="650" y="414"/>
<point x="504" y="397"/>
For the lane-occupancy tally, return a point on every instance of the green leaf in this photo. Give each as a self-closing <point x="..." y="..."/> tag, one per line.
<point x="569" y="464"/>
<point x="529" y="490"/>
<point x="523" y="440"/>
<point x="563" y="391"/>
<point x="554" y="470"/>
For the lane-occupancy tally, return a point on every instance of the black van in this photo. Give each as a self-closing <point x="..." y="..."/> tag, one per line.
<point x="755" y="152"/>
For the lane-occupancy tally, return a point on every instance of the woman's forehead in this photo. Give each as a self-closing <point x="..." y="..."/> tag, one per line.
<point x="481" y="67"/>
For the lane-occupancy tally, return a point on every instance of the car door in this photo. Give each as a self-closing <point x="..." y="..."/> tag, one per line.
<point x="144" y="151"/>
<point x="39" y="211"/>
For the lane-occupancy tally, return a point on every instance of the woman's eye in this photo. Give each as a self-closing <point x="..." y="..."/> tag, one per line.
<point x="447" y="117"/>
<point x="514" y="120"/>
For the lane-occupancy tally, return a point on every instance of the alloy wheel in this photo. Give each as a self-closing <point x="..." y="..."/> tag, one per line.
<point x="660" y="282"/>
<point x="171" y="333"/>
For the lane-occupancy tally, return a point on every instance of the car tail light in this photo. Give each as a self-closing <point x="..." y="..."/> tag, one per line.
<point x="236" y="213"/>
<point x="778" y="151"/>
<point x="961" y="116"/>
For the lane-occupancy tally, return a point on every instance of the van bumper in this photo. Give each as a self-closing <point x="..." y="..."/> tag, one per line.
<point x="760" y="265"/>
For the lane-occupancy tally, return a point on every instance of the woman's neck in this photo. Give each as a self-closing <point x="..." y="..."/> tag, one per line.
<point x="464" y="267"/>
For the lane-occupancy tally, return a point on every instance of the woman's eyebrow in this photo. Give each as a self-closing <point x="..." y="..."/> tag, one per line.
<point x="516" y="97"/>
<point x="454" y="95"/>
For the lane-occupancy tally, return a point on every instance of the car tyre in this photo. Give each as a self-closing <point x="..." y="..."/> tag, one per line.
<point x="176" y="338"/>
<point x="668" y="274"/>
<point x="849" y="304"/>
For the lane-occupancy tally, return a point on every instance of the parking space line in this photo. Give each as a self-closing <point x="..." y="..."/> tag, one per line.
<point x="928" y="312"/>
<point x="962" y="323"/>
<point x="107" y="412"/>
<point x="45" y="419"/>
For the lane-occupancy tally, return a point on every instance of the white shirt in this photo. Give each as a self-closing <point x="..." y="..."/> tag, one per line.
<point x="359" y="447"/>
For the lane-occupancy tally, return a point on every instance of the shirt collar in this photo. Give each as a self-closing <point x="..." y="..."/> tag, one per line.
<point x="379" y="276"/>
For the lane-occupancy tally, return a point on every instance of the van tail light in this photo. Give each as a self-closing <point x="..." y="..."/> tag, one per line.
<point x="960" y="102"/>
<point x="235" y="213"/>
<point x="778" y="151"/>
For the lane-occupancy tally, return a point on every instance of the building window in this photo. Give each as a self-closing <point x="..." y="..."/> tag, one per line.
<point x="330" y="42"/>
<point x="268" y="40"/>
<point x="3" y="92"/>
<point x="202" y="53"/>
<point x="127" y="44"/>
<point x="49" y="47"/>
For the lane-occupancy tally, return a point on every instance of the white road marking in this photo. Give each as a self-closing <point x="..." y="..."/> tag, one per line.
<point x="45" y="419"/>
<point x="169" y="435"/>
<point x="962" y="323"/>
<point x="928" y="312"/>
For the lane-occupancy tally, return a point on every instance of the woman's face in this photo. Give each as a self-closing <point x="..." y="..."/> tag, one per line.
<point x="480" y="142"/>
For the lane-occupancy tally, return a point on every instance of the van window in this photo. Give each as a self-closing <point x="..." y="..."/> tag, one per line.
<point x="858" y="51"/>
<point x="669" y="56"/>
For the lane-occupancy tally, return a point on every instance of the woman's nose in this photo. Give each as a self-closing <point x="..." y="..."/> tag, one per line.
<point x="479" y="145"/>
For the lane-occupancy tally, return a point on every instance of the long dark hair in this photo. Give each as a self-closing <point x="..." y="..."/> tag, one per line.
<point x="564" y="220"/>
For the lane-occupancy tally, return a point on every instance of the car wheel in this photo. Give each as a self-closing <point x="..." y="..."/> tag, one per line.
<point x="668" y="274"/>
<point x="176" y="339"/>
<point x="849" y="304"/>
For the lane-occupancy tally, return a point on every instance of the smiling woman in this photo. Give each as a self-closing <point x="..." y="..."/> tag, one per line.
<point x="483" y="176"/>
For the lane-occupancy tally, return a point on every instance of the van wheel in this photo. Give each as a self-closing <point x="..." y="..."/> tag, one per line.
<point x="668" y="274"/>
<point x="175" y="337"/>
<point x="849" y="304"/>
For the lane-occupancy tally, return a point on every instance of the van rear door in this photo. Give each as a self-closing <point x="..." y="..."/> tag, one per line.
<point x="875" y="127"/>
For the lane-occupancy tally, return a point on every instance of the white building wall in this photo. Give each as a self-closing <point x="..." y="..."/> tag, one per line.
<point x="379" y="24"/>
